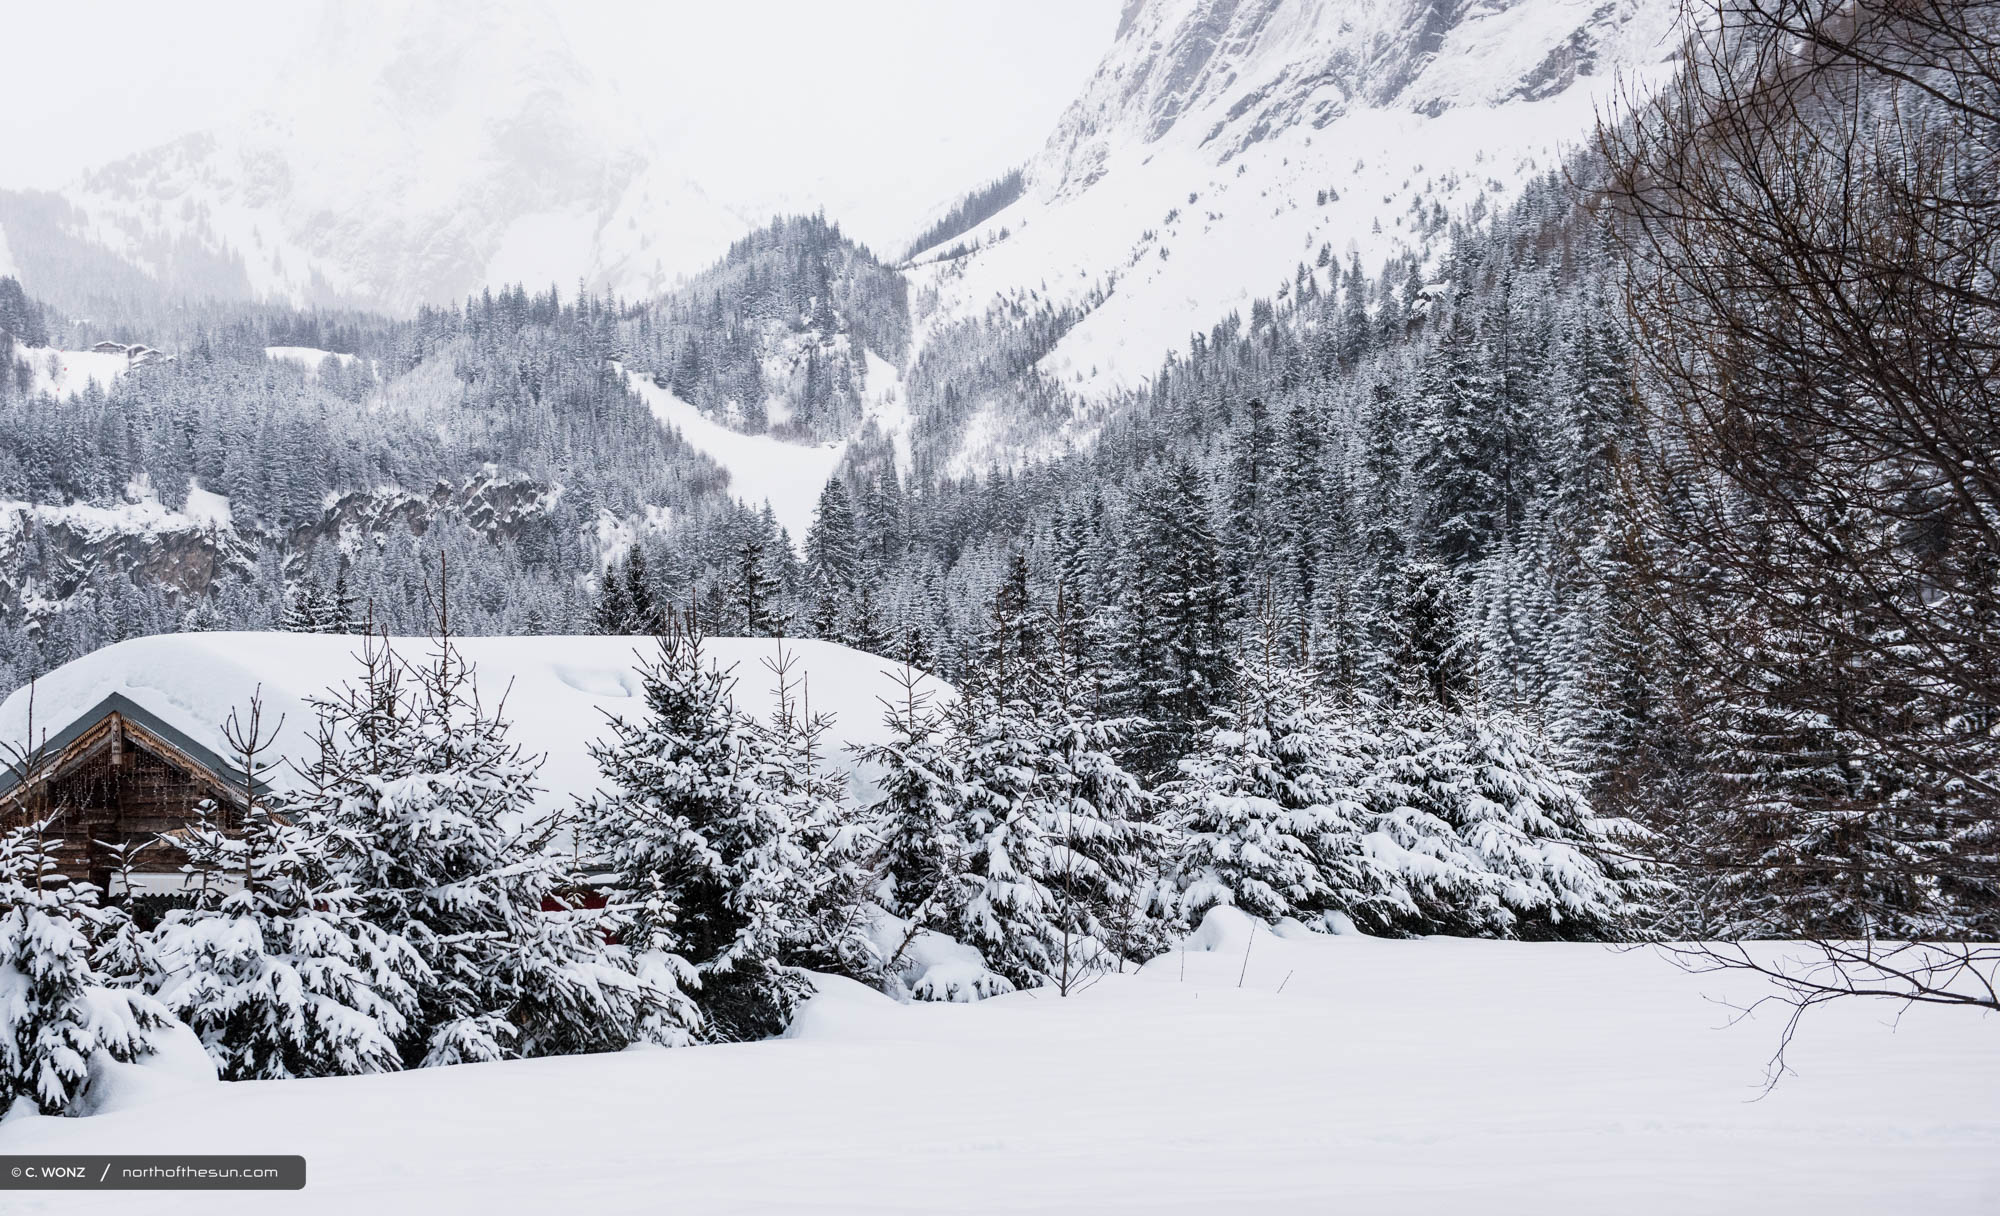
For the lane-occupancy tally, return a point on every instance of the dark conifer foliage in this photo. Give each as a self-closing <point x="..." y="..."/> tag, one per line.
<point x="969" y="213"/>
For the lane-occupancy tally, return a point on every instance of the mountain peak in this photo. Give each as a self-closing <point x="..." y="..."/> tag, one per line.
<point x="413" y="157"/>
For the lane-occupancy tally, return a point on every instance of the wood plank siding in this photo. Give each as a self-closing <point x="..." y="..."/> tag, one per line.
<point x="117" y="780"/>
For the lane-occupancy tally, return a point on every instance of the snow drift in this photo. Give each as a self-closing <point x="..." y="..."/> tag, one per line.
<point x="557" y="690"/>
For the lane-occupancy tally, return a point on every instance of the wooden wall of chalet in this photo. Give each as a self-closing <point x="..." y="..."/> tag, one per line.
<point x="117" y="784"/>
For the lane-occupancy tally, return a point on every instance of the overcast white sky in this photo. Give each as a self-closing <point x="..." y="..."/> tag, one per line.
<point x="877" y="109"/>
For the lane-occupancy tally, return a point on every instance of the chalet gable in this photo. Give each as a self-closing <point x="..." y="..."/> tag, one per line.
<point x="103" y="733"/>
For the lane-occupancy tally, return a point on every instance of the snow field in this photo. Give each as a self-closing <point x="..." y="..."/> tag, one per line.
<point x="1344" y="1074"/>
<point x="310" y="356"/>
<point x="66" y="373"/>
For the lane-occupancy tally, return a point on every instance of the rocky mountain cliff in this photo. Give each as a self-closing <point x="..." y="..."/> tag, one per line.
<point x="1223" y="145"/>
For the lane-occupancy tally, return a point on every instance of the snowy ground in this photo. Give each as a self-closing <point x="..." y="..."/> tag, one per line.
<point x="1429" y="1076"/>
<point x="310" y="357"/>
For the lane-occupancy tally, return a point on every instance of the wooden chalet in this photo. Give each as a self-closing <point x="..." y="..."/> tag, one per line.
<point x="119" y="774"/>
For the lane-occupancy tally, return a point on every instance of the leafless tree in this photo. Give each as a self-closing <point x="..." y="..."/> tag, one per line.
<point x="1811" y="215"/>
<point x="248" y="739"/>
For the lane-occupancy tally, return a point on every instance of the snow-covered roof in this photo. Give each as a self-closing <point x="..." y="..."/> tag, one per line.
<point x="558" y="690"/>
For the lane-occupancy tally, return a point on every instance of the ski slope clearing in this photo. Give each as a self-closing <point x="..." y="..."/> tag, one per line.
<point x="1439" y="1075"/>
<point x="789" y="476"/>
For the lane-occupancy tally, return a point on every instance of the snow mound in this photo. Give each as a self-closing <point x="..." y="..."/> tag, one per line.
<point x="556" y="692"/>
<point x="179" y="1064"/>
<point x="928" y="966"/>
<point x="840" y="1008"/>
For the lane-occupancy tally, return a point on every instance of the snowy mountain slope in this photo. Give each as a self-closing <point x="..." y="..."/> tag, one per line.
<point x="418" y="155"/>
<point x="1222" y="143"/>
<point x="762" y="469"/>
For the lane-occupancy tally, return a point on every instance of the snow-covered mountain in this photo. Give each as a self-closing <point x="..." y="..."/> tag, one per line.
<point x="1223" y="142"/>
<point x="414" y="156"/>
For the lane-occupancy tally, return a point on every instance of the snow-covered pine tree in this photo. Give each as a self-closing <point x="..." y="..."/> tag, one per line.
<point x="1005" y="908"/>
<point x="282" y="977"/>
<point x="833" y="548"/>
<point x="1412" y="779"/>
<point x="831" y="887"/>
<point x="286" y="978"/>
<point x="1559" y="871"/>
<point x="613" y="612"/>
<point x="1430" y="665"/>
<point x="58" y="1016"/>
<point x="1105" y="847"/>
<point x="122" y="952"/>
<point x="431" y="820"/>
<point x="1252" y="810"/>
<point x="919" y="860"/>
<point x="644" y="612"/>
<point x="1170" y="642"/>
<point x="755" y="591"/>
<point x="686" y="818"/>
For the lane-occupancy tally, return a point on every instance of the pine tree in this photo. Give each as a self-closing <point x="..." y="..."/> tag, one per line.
<point x="430" y="819"/>
<point x="282" y="977"/>
<point x="1411" y="782"/>
<point x="642" y="607"/>
<point x="690" y="819"/>
<point x="58" y="1019"/>
<point x="286" y="978"/>
<point x="919" y="862"/>
<point x="1456" y="462"/>
<point x="833" y="548"/>
<point x="1106" y="845"/>
<point x="1052" y="829"/>
<point x="830" y="888"/>
<point x="756" y="592"/>
<point x="1429" y="659"/>
<point x="1557" y="869"/>
<point x="613" y="614"/>
<point x="1173" y="665"/>
<point x="1006" y="909"/>
<point x="1265" y="815"/>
